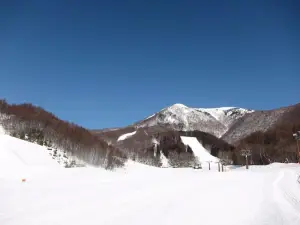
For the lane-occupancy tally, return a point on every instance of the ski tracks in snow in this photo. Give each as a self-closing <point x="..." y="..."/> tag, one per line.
<point x="286" y="195"/>
<point x="282" y="200"/>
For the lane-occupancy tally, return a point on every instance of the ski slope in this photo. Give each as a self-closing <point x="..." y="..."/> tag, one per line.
<point x="125" y="136"/>
<point x="18" y="158"/>
<point x="140" y="194"/>
<point x="199" y="151"/>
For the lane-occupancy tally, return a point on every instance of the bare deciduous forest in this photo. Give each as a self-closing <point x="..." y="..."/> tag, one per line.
<point x="277" y="144"/>
<point x="45" y="128"/>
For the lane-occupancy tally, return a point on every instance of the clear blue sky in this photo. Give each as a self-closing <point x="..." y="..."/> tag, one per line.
<point x="110" y="63"/>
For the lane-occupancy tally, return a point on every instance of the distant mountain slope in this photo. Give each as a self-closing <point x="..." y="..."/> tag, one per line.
<point x="269" y="135"/>
<point x="166" y="127"/>
<point x="227" y="115"/>
<point x="148" y="144"/>
<point x="257" y="121"/>
<point x="236" y="126"/>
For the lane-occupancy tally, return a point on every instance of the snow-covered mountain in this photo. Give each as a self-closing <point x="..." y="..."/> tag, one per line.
<point x="211" y="120"/>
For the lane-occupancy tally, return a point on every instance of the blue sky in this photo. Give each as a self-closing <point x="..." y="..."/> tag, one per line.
<point x="110" y="63"/>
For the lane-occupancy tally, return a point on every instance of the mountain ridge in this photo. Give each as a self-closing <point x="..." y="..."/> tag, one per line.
<point x="178" y="116"/>
<point x="222" y="131"/>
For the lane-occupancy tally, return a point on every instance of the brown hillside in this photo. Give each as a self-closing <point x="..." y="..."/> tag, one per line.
<point x="277" y="143"/>
<point x="26" y="119"/>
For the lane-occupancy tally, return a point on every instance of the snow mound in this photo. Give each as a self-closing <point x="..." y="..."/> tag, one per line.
<point x="125" y="136"/>
<point x="199" y="151"/>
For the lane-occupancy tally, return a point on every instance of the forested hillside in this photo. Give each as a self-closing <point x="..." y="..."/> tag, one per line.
<point x="32" y="123"/>
<point x="277" y="143"/>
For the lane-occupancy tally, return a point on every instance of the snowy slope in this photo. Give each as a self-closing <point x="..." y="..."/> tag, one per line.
<point x="226" y="115"/>
<point x="199" y="151"/>
<point x="180" y="117"/>
<point x="154" y="196"/>
<point x="22" y="157"/>
<point x="125" y="136"/>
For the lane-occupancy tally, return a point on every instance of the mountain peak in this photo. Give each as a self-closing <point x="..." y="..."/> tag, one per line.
<point x="178" y="105"/>
<point x="181" y="117"/>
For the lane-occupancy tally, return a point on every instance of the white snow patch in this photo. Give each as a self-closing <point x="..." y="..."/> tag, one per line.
<point x="125" y="136"/>
<point x="164" y="160"/>
<point x="217" y="113"/>
<point x="199" y="151"/>
<point x="2" y="131"/>
<point x="223" y="113"/>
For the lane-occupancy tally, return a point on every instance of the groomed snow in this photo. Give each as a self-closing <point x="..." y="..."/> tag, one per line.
<point x="125" y="136"/>
<point x="199" y="151"/>
<point x="143" y="195"/>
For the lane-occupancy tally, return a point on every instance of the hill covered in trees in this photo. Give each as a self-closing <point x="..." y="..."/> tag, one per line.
<point x="35" y="124"/>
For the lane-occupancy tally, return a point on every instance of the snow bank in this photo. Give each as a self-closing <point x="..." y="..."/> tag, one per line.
<point x="125" y="136"/>
<point x="199" y="151"/>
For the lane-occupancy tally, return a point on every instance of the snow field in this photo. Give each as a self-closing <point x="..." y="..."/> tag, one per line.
<point x="140" y="194"/>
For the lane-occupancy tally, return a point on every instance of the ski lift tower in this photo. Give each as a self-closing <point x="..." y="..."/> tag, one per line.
<point x="297" y="138"/>
<point x="246" y="153"/>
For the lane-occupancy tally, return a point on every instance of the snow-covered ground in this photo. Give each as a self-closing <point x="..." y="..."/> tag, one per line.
<point x="143" y="195"/>
<point x="19" y="158"/>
